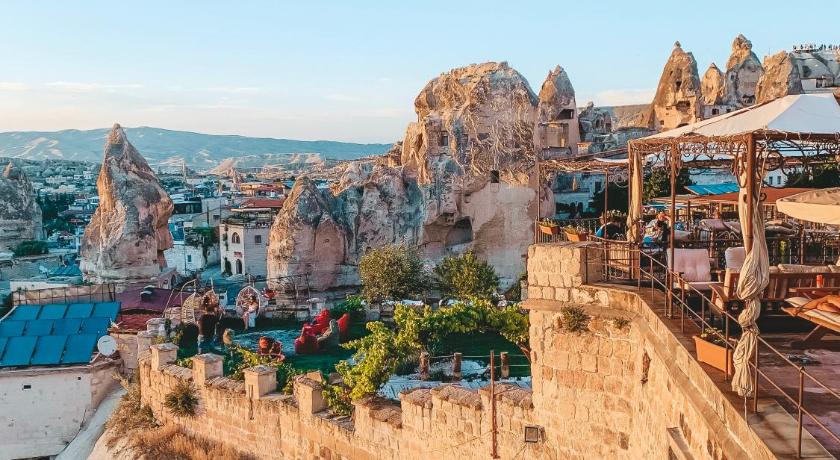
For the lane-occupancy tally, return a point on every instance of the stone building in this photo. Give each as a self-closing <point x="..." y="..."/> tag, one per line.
<point x="557" y="131"/>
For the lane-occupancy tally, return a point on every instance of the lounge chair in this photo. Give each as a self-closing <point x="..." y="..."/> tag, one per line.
<point x="825" y="322"/>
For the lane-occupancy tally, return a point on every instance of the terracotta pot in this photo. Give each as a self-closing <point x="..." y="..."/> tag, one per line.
<point x="577" y="236"/>
<point x="549" y="229"/>
<point x="714" y="355"/>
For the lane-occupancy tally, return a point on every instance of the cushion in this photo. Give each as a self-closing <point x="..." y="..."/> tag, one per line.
<point x="797" y="302"/>
<point x="681" y="235"/>
<point x="797" y="268"/>
<point x="735" y="257"/>
<point x="692" y="263"/>
<point x="714" y="225"/>
<point x="831" y="317"/>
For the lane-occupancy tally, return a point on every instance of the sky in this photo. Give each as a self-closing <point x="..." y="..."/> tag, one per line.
<point x="347" y="71"/>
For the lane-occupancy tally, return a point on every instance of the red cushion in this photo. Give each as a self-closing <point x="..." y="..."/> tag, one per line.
<point x="344" y="326"/>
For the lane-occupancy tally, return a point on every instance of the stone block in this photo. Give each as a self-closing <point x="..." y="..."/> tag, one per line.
<point x="260" y="381"/>
<point x="163" y="354"/>
<point x="309" y="394"/>
<point x="206" y="367"/>
<point x="144" y="341"/>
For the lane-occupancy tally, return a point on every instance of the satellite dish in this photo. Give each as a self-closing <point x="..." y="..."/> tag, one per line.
<point x="106" y="345"/>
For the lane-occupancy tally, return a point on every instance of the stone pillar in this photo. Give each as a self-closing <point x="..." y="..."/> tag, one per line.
<point x="207" y="366"/>
<point x="144" y="341"/>
<point x="309" y="393"/>
<point x="163" y="354"/>
<point x="260" y="381"/>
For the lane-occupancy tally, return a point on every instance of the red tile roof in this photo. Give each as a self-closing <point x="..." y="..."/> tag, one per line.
<point x="262" y="203"/>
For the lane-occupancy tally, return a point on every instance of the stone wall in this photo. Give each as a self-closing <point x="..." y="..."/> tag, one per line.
<point x="627" y="387"/>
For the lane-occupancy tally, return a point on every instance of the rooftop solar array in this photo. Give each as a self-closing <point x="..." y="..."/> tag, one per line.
<point x="54" y="334"/>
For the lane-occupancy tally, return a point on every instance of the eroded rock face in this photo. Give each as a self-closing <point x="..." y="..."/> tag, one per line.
<point x="781" y="77"/>
<point x="557" y="132"/>
<point x="126" y="237"/>
<point x="678" y="96"/>
<point x="712" y="86"/>
<point x="20" y="214"/>
<point x="743" y="70"/>
<point x="460" y="181"/>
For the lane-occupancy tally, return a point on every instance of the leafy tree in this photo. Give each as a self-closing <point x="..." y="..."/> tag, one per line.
<point x="618" y="198"/>
<point x="392" y="272"/>
<point x="658" y="182"/>
<point x="819" y="177"/>
<point x="466" y="276"/>
<point x="31" y="248"/>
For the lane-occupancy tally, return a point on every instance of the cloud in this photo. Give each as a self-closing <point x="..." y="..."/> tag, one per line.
<point x="82" y="87"/>
<point x="232" y="89"/>
<point x="13" y="86"/>
<point x="624" y="97"/>
<point x="341" y="98"/>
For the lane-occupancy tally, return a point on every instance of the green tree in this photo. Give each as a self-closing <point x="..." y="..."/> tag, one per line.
<point x="818" y="177"/>
<point x="30" y="248"/>
<point x="392" y="272"/>
<point x="658" y="182"/>
<point x="617" y="198"/>
<point x="466" y="276"/>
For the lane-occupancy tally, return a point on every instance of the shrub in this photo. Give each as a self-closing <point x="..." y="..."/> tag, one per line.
<point x="392" y="272"/>
<point x="338" y="399"/>
<point x="182" y="400"/>
<point x="131" y="413"/>
<point x="186" y="335"/>
<point x="354" y="305"/>
<point x="574" y="319"/>
<point x="30" y="248"/>
<point x="466" y="276"/>
<point x="239" y="358"/>
<point x="620" y="323"/>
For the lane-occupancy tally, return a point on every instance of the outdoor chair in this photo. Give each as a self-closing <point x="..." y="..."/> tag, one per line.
<point x="693" y="267"/>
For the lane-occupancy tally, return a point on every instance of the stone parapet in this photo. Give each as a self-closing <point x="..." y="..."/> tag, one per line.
<point x="206" y="367"/>
<point x="163" y="354"/>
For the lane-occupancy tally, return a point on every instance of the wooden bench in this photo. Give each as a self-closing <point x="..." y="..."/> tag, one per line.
<point x="781" y="286"/>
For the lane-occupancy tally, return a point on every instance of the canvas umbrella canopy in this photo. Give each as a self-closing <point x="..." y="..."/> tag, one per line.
<point x="821" y="206"/>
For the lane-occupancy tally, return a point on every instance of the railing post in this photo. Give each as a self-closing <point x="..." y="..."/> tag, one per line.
<point x="424" y="365"/>
<point x="456" y="366"/>
<point x="799" y="410"/>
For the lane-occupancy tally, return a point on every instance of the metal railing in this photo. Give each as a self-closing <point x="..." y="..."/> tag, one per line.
<point x="629" y="263"/>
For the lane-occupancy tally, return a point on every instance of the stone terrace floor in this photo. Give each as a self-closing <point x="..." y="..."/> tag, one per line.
<point x="772" y="422"/>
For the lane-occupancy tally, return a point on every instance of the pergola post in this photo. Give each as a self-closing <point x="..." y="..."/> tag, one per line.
<point x="750" y="197"/>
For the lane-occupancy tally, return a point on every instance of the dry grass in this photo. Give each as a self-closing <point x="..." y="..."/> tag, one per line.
<point x="170" y="443"/>
<point x="130" y="414"/>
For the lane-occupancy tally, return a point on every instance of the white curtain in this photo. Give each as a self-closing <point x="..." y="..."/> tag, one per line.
<point x="755" y="275"/>
<point x="635" y="171"/>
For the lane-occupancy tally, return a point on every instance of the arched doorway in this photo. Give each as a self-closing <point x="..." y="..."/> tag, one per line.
<point x="227" y="268"/>
<point x="238" y="267"/>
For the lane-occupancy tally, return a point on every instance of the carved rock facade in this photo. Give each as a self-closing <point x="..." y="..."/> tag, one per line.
<point x="20" y="214"/>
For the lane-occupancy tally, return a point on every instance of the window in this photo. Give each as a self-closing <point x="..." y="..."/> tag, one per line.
<point x="257" y="239"/>
<point x="444" y="140"/>
<point x="238" y="267"/>
<point x="189" y="257"/>
<point x="715" y="111"/>
<point x="235" y="238"/>
<point x="566" y="114"/>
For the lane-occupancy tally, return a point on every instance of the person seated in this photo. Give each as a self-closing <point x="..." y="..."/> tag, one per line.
<point x="611" y="230"/>
<point x="270" y="347"/>
<point x="331" y="337"/>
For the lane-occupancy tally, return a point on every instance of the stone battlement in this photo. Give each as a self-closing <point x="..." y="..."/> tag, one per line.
<point x="623" y="389"/>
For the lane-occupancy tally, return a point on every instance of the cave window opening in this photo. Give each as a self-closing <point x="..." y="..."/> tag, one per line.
<point x="715" y="111"/>
<point x="460" y="233"/>
<point x="444" y="140"/>
<point x="566" y="114"/>
<point x="677" y="85"/>
<point x="494" y="176"/>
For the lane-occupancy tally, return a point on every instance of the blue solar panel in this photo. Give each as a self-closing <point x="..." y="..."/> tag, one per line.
<point x="53" y="311"/>
<point x="9" y="328"/>
<point x="78" y="349"/>
<point x="49" y="350"/>
<point x="38" y="327"/>
<point x="25" y="312"/>
<point x="106" y="310"/>
<point x="97" y="326"/>
<point x="18" y="351"/>
<point x="79" y="310"/>
<point x="66" y="326"/>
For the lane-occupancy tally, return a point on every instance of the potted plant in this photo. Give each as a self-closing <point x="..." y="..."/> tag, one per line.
<point x="549" y="227"/>
<point x="712" y="349"/>
<point x="576" y="233"/>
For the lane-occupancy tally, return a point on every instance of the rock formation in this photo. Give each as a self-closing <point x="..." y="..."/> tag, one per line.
<point x="712" y="86"/>
<point x="20" y="214"/>
<point x="781" y="77"/>
<point x="557" y="131"/>
<point x="793" y="73"/>
<point x="461" y="180"/>
<point x="126" y="237"/>
<point x="677" y="100"/>
<point x="743" y="70"/>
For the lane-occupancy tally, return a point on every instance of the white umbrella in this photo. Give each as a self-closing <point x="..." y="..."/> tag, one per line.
<point x="820" y="205"/>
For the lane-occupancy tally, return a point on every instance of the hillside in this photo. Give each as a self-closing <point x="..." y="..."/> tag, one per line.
<point x="163" y="146"/>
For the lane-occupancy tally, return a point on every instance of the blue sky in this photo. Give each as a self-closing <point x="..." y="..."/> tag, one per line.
<point x="346" y="70"/>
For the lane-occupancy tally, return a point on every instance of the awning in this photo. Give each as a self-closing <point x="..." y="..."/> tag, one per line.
<point x="820" y="205"/>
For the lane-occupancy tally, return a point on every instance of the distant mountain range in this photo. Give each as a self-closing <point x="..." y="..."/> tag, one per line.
<point x="166" y="147"/>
